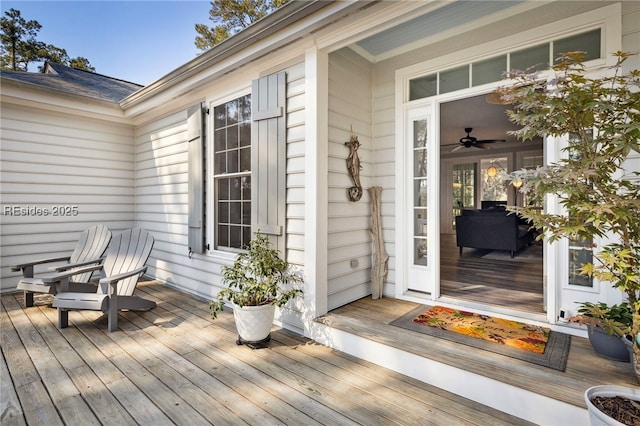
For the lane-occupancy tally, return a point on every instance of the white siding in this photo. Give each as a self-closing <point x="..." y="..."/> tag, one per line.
<point x="52" y="159"/>
<point x="350" y="107"/>
<point x="631" y="33"/>
<point x="162" y="197"/>
<point x="631" y="43"/>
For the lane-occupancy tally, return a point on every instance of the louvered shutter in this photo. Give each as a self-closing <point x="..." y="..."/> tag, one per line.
<point x="268" y="157"/>
<point x="195" y="138"/>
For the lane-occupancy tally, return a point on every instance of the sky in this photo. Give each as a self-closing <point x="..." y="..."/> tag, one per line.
<point x="137" y="41"/>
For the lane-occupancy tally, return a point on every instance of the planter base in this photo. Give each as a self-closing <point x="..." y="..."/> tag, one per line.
<point x="260" y="344"/>
<point x="597" y="417"/>
<point x="610" y="347"/>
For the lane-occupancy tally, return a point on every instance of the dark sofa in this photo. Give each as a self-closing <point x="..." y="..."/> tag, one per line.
<point x="492" y="229"/>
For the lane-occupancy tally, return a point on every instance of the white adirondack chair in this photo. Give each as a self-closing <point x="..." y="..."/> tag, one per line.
<point x="88" y="251"/>
<point x="123" y="265"/>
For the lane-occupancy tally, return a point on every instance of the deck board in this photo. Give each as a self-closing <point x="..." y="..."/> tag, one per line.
<point x="370" y="319"/>
<point x="174" y="365"/>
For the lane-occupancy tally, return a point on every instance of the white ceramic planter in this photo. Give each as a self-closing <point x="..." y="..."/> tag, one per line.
<point x="254" y="322"/>
<point x="597" y="417"/>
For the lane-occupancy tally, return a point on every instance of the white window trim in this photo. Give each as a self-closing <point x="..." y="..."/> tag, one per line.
<point x="226" y="255"/>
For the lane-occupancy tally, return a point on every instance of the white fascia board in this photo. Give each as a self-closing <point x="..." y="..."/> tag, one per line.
<point x="53" y="100"/>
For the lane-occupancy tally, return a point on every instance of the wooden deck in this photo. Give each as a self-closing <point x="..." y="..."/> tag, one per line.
<point x="368" y="320"/>
<point x="173" y="365"/>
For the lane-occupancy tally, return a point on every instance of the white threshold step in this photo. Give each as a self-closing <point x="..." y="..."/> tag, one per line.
<point x="510" y="399"/>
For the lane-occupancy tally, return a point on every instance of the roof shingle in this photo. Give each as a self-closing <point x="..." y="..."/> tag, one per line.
<point x="75" y="81"/>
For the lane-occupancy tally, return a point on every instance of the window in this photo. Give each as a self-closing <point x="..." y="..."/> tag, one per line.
<point x="580" y="250"/>
<point x="420" y="142"/>
<point x="232" y="173"/>
<point x="534" y="58"/>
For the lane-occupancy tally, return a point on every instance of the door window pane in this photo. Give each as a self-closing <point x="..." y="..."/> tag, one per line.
<point x="587" y="42"/>
<point x="423" y="87"/>
<point x="532" y="59"/>
<point x="454" y="79"/>
<point x="489" y="70"/>
<point x="580" y="252"/>
<point x="420" y="145"/>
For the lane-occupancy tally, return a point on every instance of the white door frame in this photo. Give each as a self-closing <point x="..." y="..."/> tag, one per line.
<point x="609" y="19"/>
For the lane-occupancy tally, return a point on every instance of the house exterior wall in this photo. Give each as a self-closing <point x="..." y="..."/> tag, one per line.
<point x="631" y="43"/>
<point x="63" y="172"/>
<point x="162" y="194"/>
<point x="349" y="238"/>
<point x="383" y="86"/>
<point x="140" y="177"/>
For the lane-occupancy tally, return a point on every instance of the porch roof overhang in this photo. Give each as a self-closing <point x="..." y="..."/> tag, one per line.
<point x="290" y="23"/>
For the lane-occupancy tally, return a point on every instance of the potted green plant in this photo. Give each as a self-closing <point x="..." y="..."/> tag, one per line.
<point x="609" y="328"/>
<point x="257" y="281"/>
<point x="600" y="200"/>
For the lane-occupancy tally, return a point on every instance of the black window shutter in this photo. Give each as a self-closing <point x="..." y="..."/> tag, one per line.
<point x="268" y="157"/>
<point x="195" y="137"/>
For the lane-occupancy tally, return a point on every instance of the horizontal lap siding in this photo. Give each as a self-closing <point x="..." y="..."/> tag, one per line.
<point x="162" y="197"/>
<point x="162" y="205"/>
<point x="384" y="159"/>
<point x="349" y="236"/>
<point x="631" y="33"/>
<point x="631" y="43"/>
<point x="52" y="160"/>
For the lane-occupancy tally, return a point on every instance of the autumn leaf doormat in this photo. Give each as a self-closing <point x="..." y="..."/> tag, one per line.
<point x="538" y="345"/>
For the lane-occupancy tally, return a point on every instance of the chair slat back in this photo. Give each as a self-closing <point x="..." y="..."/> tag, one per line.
<point x="128" y="251"/>
<point x="91" y="245"/>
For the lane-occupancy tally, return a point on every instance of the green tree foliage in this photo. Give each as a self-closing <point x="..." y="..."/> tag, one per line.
<point x="601" y="200"/>
<point x="230" y="17"/>
<point x="20" y="46"/>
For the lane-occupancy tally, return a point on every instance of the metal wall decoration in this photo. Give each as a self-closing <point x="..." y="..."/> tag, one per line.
<point x="353" y="167"/>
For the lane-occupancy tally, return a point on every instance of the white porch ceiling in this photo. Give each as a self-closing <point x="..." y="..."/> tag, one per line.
<point x="453" y="15"/>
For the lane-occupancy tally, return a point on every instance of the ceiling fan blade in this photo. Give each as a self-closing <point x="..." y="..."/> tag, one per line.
<point x="482" y="146"/>
<point x="457" y="148"/>
<point x="491" y="140"/>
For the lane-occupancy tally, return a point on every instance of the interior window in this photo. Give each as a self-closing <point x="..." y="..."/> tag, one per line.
<point x="492" y="172"/>
<point x="464" y="187"/>
<point x="232" y="173"/>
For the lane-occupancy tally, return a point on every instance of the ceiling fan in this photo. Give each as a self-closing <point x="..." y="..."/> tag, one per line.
<point x="471" y="141"/>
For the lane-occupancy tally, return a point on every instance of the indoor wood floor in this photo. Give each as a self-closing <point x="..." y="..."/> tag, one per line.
<point x="515" y="283"/>
<point x="173" y="365"/>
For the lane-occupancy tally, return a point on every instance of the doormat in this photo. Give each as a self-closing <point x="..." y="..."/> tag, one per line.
<point x="526" y="342"/>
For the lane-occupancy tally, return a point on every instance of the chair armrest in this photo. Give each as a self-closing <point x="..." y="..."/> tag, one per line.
<point x="55" y="278"/>
<point x="68" y="266"/>
<point x="118" y="277"/>
<point x="21" y="266"/>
